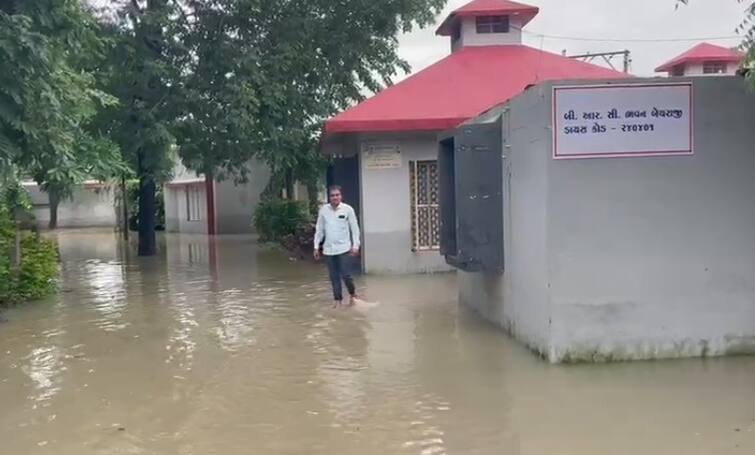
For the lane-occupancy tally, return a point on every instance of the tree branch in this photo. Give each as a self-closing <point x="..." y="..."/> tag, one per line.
<point x="181" y="10"/>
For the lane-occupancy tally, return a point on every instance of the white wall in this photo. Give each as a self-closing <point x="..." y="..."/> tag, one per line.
<point x="235" y="203"/>
<point x="386" y="210"/>
<point x="660" y="262"/>
<point x="633" y="258"/>
<point x="177" y="211"/>
<point x="171" y="194"/>
<point x="470" y="37"/>
<point x="518" y="300"/>
<point x="92" y="205"/>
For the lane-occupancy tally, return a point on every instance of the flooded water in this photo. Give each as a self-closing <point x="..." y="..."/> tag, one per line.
<point x="233" y="350"/>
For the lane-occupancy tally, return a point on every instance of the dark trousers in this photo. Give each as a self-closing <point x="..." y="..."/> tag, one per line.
<point x="338" y="269"/>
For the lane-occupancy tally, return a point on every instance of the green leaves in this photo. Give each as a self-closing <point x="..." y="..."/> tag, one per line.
<point x="48" y="97"/>
<point x="225" y="80"/>
<point x="232" y="80"/>
<point x="257" y="78"/>
<point x="275" y="219"/>
<point x="36" y="276"/>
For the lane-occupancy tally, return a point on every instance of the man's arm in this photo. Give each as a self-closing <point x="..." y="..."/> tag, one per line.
<point x="354" y="228"/>
<point x="319" y="232"/>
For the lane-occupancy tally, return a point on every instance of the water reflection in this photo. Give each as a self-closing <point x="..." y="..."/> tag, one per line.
<point x="108" y="294"/>
<point x="220" y="347"/>
<point x="181" y="344"/>
<point x="44" y="367"/>
<point x="235" y="319"/>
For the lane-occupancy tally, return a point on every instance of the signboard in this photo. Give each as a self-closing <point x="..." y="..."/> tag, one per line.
<point x="622" y="120"/>
<point x="381" y="156"/>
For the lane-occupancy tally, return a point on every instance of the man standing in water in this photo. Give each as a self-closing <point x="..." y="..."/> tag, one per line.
<point x="337" y="224"/>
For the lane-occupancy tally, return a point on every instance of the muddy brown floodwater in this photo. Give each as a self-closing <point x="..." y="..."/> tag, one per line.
<point x="234" y="350"/>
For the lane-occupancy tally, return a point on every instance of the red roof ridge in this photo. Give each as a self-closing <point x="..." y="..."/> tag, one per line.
<point x="461" y="86"/>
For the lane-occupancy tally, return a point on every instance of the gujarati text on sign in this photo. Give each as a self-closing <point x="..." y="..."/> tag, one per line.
<point x="622" y="120"/>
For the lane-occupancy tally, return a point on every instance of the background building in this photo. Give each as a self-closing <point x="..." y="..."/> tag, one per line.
<point x="93" y="204"/>
<point x="196" y="205"/>
<point x="704" y="60"/>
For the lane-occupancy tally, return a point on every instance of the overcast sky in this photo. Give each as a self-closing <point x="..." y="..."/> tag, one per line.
<point x="600" y="20"/>
<point x="603" y="19"/>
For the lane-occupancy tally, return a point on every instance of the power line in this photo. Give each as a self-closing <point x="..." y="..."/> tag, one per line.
<point x="607" y="58"/>
<point x="632" y="40"/>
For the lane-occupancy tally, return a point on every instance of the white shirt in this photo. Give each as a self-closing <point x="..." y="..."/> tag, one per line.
<point x="339" y="227"/>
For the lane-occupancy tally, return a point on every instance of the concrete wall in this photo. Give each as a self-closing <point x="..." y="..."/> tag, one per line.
<point x="235" y="203"/>
<point x="643" y="257"/>
<point x="661" y="261"/>
<point x="518" y="300"/>
<point x="177" y="211"/>
<point x="386" y="210"/>
<point x="92" y="205"/>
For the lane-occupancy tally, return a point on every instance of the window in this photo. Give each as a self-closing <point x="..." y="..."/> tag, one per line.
<point x="678" y="71"/>
<point x="425" y="206"/>
<point x="714" y="68"/>
<point x="493" y="24"/>
<point x="193" y="203"/>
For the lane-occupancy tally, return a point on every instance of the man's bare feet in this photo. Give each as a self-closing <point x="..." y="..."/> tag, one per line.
<point x="337" y="304"/>
<point x="352" y="300"/>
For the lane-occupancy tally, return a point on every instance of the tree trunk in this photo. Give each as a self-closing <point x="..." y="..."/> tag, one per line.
<point x="147" y="236"/>
<point x="15" y="258"/>
<point x="54" y="204"/>
<point x="16" y="254"/>
<point x="274" y="187"/>
<point x="289" y="183"/>
<point x="124" y="207"/>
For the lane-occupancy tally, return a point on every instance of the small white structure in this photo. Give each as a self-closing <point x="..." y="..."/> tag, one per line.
<point x="93" y="205"/>
<point x="196" y="205"/>
<point x="705" y="59"/>
<point x="625" y="222"/>
<point x="386" y="148"/>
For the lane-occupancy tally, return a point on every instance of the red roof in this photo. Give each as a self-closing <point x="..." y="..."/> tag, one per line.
<point x="704" y="52"/>
<point x="488" y="8"/>
<point x="460" y="87"/>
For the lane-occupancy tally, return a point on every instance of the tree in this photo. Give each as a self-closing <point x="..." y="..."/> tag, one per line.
<point x="317" y="58"/>
<point x="264" y="74"/>
<point x="143" y="71"/>
<point x="230" y="80"/>
<point x="47" y="97"/>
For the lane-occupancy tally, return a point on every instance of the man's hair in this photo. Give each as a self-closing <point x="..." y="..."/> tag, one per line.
<point x="334" y="188"/>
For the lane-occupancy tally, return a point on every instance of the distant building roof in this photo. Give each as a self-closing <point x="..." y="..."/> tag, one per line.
<point x="704" y="52"/>
<point x="478" y="8"/>
<point x="459" y="87"/>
